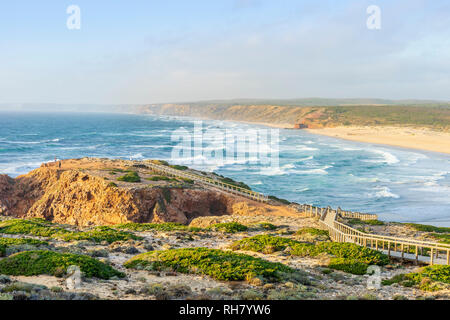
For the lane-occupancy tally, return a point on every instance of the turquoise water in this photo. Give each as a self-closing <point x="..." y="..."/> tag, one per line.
<point x="397" y="184"/>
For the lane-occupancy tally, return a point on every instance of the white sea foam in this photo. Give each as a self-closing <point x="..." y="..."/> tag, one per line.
<point x="383" y="192"/>
<point x="386" y="157"/>
<point x="322" y="170"/>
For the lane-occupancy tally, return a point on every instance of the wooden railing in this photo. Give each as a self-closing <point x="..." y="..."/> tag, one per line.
<point x="405" y="249"/>
<point x="313" y="211"/>
<point x="253" y="195"/>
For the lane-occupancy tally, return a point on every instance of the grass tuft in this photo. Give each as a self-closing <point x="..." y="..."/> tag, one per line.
<point x="168" y="226"/>
<point x="229" y="227"/>
<point x="99" y="234"/>
<point x="131" y="176"/>
<point x="430" y="278"/>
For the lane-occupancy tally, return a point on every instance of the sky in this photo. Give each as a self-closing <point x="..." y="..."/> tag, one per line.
<point x="136" y="52"/>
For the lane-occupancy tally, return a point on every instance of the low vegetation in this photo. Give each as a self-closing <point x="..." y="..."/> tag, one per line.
<point x="229" y="227"/>
<point x="431" y="278"/>
<point x="98" y="234"/>
<point x="160" y="178"/>
<point x="264" y="244"/>
<point x="352" y="266"/>
<point x="13" y="244"/>
<point x="283" y="201"/>
<point x="131" y="176"/>
<point x="353" y="222"/>
<point x="427" y="228"/>
<point x="168" y="226"/>
<point x="31" y="263"/>
<point x="228" y="180"/>
<point x="351" y="255"/>
<point x="312" y="231"/>
<point x="33" y="227"/>
<point x="42" y="228"/>
<point x="312" y="234"/>
<point x="218" y="264"/>
<point x="177" y="167"/>
<point x="441" y="237"/>
<point x="265" y="226"/>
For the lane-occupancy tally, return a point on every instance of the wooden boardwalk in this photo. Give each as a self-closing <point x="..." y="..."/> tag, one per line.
<point x="256" y="196"/>
<point x="418" y="251"/>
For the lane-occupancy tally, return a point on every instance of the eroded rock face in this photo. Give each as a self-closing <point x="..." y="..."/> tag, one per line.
<point x="73" y="196"/>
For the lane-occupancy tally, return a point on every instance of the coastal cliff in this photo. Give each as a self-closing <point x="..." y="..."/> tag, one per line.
<point x="424" y="115"/>
<point x="89" y="192"/>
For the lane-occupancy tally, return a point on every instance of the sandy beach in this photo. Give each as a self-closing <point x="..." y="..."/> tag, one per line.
<point x="414" y="138"/>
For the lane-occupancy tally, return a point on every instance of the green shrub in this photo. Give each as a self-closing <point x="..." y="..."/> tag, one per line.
<point x="112" y="185"/>
<point x="342" y="250"/>
<point x="229" y="227"/>
<point x="312" y="234"/>
<point x="160" y="178"/>
<point x="34" y="227"/>
<point x="131" y="176"/>
<point x="283" y="201"/>
<point x="23" y="286"/>
<point x="234" y="183"/>
<point x="167" y="226"/>
<point x="266" y="226"/>
<point x="267" y="243"/>
<point x="99" y="234"/>
<point x="427" y="228"/>
<point x="16" y="244"/>
<point x="348" y="265"/>
<point x="160" y="162"/>
<point x="365" y="222"/>
<point x="177" y="167"/>
<point x="218" y="264"/>
<point x="31" y="263"/>
<point x="263" y="243"/>
<point x="312" y="231"/>
<point x="430" y="278"/>
<point x="190" y="181"/>
<point x="441" y="237"/>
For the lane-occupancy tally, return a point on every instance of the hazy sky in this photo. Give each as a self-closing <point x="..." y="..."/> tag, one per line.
<point x="160" y="51"/>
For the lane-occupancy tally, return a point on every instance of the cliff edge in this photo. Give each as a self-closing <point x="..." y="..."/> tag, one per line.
<point x="90" y="191"/>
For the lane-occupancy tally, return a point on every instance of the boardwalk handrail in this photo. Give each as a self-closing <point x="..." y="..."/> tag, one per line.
<point x="317" y="211"/>
<point x="209" y="181"/>
<point x="397" y="247"/>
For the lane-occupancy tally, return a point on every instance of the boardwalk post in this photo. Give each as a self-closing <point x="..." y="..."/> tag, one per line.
<point x="402" y="247"/>
<point x="389" y="249"/>
<point x="431" y="256"/>
<point x="417" y="254"/>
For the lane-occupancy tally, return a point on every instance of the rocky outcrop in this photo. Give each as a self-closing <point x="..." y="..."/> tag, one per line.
<point x="79" y="197"/>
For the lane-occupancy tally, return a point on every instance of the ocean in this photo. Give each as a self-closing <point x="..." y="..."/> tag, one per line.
<point x="397" y="184"/>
